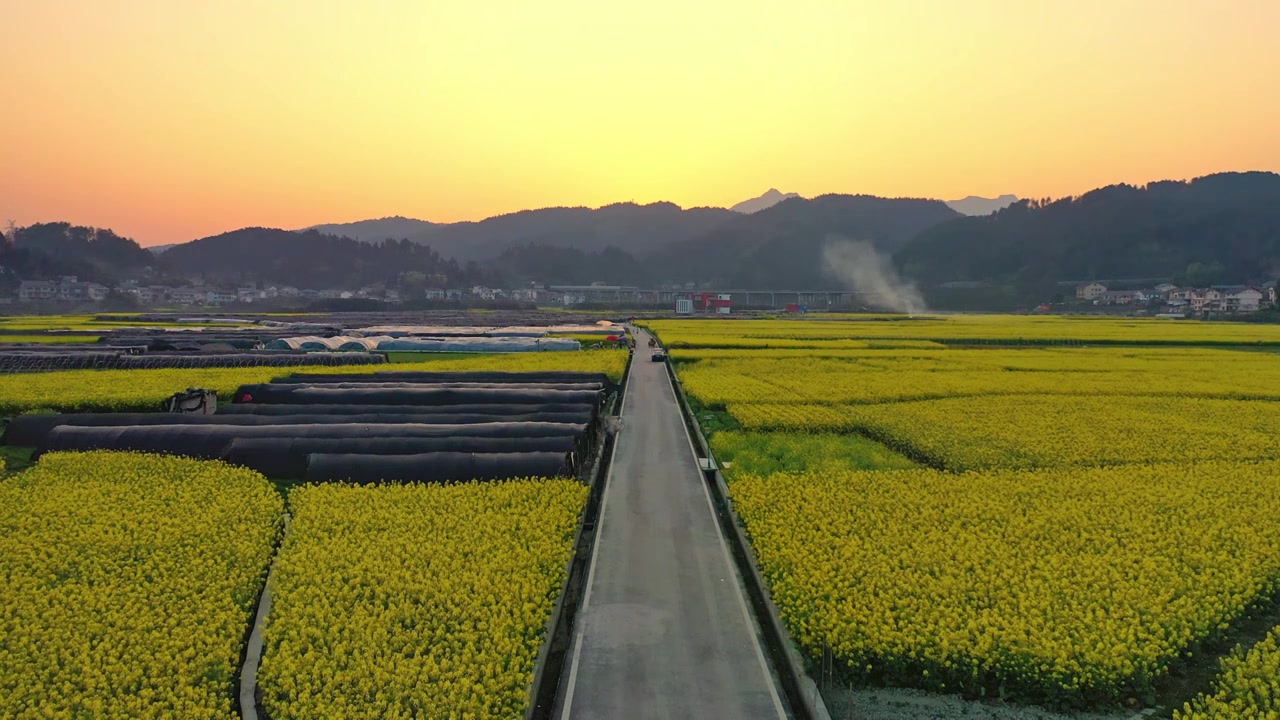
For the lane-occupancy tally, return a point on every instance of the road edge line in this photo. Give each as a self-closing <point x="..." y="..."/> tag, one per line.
<point x="787" y="661"/>
<point x="577" y="628"/>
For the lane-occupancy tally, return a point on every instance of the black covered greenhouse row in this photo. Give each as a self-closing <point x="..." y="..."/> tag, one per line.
<point x="425" y="377"/>
<point x="437" y="467"/>
<point x="417" y="395"/>
<point x="32" y="430"/>
<point x="288" y="457"/>
<point x="398" y="426"/>
<point x="498" y="410"/>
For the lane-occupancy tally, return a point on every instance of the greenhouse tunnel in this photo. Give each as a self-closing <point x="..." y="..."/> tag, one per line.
<point x="210" y="441"/>
<point x="286" y="458"/>
<point x="31" y="430"/>
<point x="436" y="467"/>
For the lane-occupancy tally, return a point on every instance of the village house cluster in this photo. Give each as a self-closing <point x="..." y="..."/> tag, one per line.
<point x="1169" y="299"/>
<point x="70" y="289"/>
<point x="67" y="289"/>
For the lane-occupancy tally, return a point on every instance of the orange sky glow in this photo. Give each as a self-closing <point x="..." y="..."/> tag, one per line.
<point x="167" y="121"/>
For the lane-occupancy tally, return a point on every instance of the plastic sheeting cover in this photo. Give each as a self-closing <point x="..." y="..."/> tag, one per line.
<point x="209" y="441"/>
<point x="436" y="467"/>
<point x="385" y="343"/>
<point x="480" y="345"/>
<point x="434" y="330"/>
<point x="363" y="343"/>
<point x="425" y="376"/>
<point x="375" y="384"/>
<point x="286" y="458"/>
<point x="490" y="330"/>
<point x="496" y="410"/>
<point x="32" y="430"/>
<point x="267" y="393"/>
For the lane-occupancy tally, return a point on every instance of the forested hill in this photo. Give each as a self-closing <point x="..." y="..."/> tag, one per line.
<point x="50" y="250"/>
<point x="1218" y="228"/>
<point x="567" y="266"/>
<point x="636" y="229"/>
<point x="781" y="246"/>
<point x="388" y="228"/>
<point x="304" y="259"/>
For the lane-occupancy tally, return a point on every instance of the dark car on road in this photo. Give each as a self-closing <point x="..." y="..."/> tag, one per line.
<point x="659" y="355"/>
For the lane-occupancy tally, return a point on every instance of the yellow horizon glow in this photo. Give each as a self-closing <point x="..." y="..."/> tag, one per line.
<point x="168" y="121"/>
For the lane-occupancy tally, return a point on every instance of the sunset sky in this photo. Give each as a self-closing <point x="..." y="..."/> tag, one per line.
<point x="168" y="120"/>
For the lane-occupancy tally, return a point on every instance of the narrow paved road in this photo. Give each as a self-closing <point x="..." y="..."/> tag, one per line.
<point x="664" y="630"/>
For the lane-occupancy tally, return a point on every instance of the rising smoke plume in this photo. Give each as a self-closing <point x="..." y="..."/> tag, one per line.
<point x="858" y="265"/>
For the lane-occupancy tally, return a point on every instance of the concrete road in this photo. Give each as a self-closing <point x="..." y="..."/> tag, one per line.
<point x="664" y="630"/>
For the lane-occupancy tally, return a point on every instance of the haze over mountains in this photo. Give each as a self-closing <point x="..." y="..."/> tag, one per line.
<point x="770" y="198"/>
<point x="470" y="240"/>
<point x="1219" y="228"/>
<point x="781" y="246"/>
<point x="971" y="205"/>
<point x="974" y="205"/>
<point x="635" y="228"/>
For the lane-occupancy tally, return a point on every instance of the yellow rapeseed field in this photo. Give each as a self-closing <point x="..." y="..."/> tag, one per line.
<point x="1071" y="586"/>
<point x="415" y="601"/>
<point x="964" y="329"/>
<point x="1020" y="431"/>
<point x="125" y="390"/>
<point x="129" y="584"/>
<point x="109" y="321"/>
<point x="718" y="377"/>
<point x="1105" y="508"/>
<point x="609" y="361"/>
<point x="1247" y="689"/>
<point x="119" y="390"/>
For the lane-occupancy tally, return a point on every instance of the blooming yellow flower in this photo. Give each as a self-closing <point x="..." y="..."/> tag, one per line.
<point x="416" y="601"/>
<point x="130" y="582"/>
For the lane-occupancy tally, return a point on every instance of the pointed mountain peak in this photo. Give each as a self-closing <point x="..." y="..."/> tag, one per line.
<point x="771" y="197"/>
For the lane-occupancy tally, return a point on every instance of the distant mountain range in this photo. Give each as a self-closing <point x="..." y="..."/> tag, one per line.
<point x="637" y="228"/>
<point x="974" y="205"/>
<point x="640" y="229"/>
<point x="623" y="244"/>
<point x="781" y="246"/>
<point x="770" y="198"/>
<point x="1219" y="228"/>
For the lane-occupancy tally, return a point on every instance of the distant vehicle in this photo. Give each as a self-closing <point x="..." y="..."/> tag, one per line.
<point x="659" y="355"/>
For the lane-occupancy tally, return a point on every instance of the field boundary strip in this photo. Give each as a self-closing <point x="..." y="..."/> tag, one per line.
<point x="800" y="690"/>
<point x="248" y="695"/>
